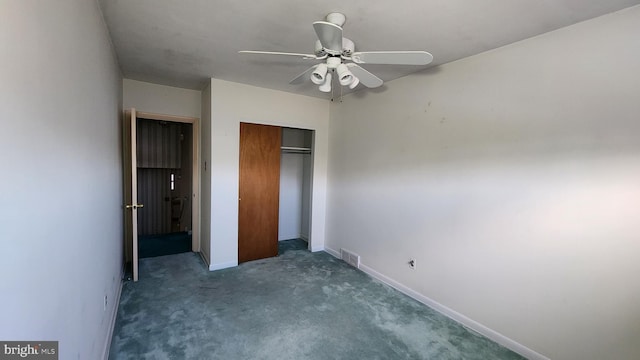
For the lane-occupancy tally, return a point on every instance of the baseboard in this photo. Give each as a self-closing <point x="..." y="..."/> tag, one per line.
<point x="305" y="238"/>
<point x="114" y="316"/>
<point x="450" y="313"/>
<point x="332" y="252"/>
<point x="220" y="266"/>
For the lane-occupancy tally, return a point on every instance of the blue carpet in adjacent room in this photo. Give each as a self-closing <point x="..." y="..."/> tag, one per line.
<point x="163" y="244"/>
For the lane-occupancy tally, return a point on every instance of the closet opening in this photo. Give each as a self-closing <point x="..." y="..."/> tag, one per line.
<point x="296" y="162"/>
<point x="274" y="202"/>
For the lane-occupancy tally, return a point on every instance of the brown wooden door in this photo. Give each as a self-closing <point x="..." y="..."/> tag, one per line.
<point x="259" y="191"/>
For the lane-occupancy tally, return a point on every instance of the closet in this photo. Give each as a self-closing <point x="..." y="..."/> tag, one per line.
<point x="274" y="188"/>
<point x="295" y="184"/>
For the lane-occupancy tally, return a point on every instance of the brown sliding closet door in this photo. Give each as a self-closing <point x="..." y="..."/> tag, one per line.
<point x="259" y="191"/>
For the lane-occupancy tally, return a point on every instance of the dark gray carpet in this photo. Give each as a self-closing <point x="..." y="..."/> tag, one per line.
<point x="299" y="305"/>
<point x="293" y="244"/>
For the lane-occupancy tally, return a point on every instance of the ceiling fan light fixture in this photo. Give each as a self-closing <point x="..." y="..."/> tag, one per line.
<point x="326" y="86"/>
<point x="354" y="83"/>
<point x="319" y="74"/>
<point x="344" y="75"/>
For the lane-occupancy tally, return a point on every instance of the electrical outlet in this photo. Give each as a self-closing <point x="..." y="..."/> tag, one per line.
<point x="105" y="303"/>
<point x="412" y="264"/>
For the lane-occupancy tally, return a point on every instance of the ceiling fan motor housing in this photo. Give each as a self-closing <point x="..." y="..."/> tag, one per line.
<point x="319" y="50"/>
<point x="336" y="18"/>
<point x="348" y="47"/>
<point x="333" y="62"/>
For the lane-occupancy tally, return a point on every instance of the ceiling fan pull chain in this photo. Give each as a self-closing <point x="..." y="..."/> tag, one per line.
<point x="332" y="87"/>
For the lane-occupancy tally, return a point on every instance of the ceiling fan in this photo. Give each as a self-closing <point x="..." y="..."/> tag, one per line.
<point x="340" y="59"/>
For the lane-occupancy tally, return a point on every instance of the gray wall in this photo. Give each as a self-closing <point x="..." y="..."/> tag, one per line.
<point x="513" y="177"/>
<point x="61" y="208"/>
<point x="307" y="161"/>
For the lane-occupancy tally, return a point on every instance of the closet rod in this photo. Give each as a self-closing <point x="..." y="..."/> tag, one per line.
<point x="295" y="150"/>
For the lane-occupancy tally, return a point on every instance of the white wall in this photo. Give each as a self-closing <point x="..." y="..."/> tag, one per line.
<point x="161" y="99"/>
<point x="61" y="207"/>
<point x="290" y="205"/>
<point x="513" y="177"/>
<point x="232" y="103"/>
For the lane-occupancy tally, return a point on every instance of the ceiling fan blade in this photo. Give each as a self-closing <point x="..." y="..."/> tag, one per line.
<point x="303" y="56"/>
<point x="304" y="76"/>
<point x="392" y="57"/>
<point x="330" y="36"/>
<point x="366" y="78"/>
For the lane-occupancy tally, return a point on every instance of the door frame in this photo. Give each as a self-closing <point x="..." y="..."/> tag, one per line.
<point x="195" y="186"/>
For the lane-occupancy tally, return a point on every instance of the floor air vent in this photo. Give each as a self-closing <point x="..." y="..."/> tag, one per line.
<point x="351" y="258"/>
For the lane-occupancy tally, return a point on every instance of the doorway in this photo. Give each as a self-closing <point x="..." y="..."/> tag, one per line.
<point x="164" y="174"/>
<point x="162" y="186"/>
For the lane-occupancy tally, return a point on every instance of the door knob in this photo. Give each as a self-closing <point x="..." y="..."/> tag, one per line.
<point x="134" y="206"/>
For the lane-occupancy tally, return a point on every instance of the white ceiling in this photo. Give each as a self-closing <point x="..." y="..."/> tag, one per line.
<point x="183" y="43"/>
